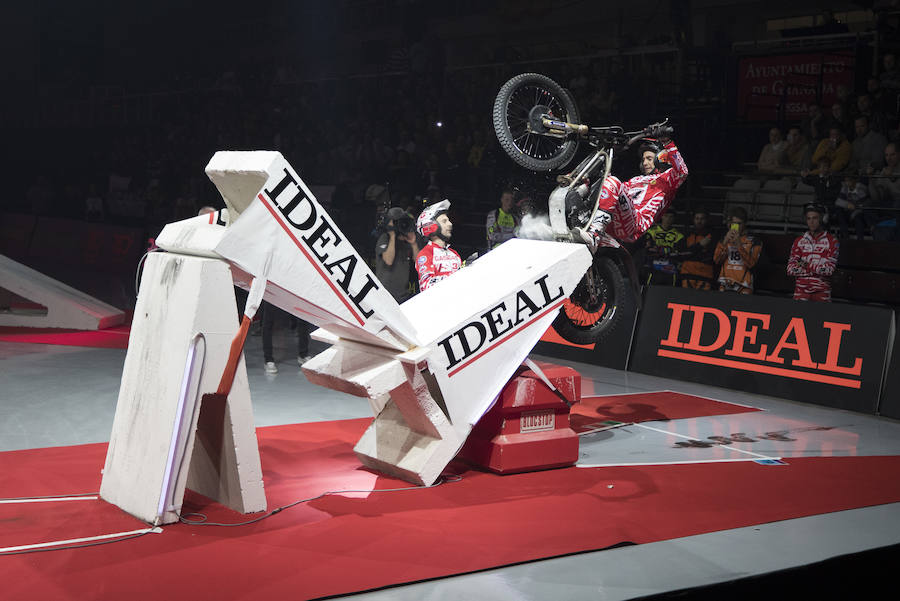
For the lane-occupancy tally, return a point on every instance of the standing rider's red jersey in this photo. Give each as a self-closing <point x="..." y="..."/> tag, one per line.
<point x="634" y="204"/>
<point x="434" y="263"/>
<point x="812" y="262"/>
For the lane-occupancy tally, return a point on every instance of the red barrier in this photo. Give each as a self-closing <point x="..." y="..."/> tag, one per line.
<point x="528" y="427"/>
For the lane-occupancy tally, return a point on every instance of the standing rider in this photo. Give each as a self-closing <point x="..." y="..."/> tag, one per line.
<point x="628" y="209"/>
<point x="436" y="260"/>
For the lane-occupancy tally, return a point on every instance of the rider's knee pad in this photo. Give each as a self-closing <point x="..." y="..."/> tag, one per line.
<point x="609" y="193"/>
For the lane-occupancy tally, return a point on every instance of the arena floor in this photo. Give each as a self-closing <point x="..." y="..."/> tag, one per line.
<point x="54" y="396"/>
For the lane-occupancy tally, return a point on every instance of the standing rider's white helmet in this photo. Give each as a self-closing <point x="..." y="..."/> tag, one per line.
<point x="427" y="224"/>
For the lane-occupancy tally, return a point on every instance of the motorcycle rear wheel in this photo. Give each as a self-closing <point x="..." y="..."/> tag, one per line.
<point x="518" y="105"/>
<point x="592" y="312"/>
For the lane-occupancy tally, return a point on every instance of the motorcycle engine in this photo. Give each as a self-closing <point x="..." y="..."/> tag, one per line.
<point x="579" y="206"/>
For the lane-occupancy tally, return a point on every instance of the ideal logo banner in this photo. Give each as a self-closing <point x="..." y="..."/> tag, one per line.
<point x="824" y="353"/>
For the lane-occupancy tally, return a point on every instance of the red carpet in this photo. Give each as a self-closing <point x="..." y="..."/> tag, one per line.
<point x="340" y="544"/>
<point x="116" y="337"/>
<point x="645" y="407"/>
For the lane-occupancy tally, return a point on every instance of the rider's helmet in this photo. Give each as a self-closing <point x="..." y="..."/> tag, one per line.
<point x="427" y="224"/>
<point x="658" y="154"/>
<point x="816" y="207"/>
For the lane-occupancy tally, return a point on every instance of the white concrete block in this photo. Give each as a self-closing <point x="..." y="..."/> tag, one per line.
<point x="179" y="297"/>
<point x="66" y="306"/>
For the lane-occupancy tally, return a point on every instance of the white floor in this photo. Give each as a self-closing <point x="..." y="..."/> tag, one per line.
<point x="56" y="396"/>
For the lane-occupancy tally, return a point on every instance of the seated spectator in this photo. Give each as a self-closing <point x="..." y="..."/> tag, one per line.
<point x="796" y="152"/>
<point x="835" y="149"/>
<point x="825" y="184"/>
<point x="839" y="117"/>
<point x="737" y="253"/>
<point x="664" y="246"/>
<point x="814" y="126"/>
<point x="849" y="207"/>
<point x="867" y="150"/>
<point x="889" y="78"/>
<point x="770" y="157"/>
<point x="884" y="186"/>
<point x="813" y="258"/>
<point x="864" y="108"/>
<point x="698" y="268"/>
<point x="882" y="101"/>
<point x="884" y="190"/>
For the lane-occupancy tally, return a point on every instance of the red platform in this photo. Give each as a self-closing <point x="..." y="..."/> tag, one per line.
<point x="528" y="427"/>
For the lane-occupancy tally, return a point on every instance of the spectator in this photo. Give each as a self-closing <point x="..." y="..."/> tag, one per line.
<point x="737" y="253"/>
<point x="813" y="258"/>
<point x="867" y="150"/>
<point x="436" y="261"/>
<point x="814" y="125"/>
<point x="884" y="190"/>
<point x="849" y="207"/>
<point x="882" y="101"/>
<point x="842" y="95"/>
<point x="501" y="223"/>
<point x="839" y="117"/>
<point x="877" y="119"/>
<point x="698" y="267"/>
<point x="268" y="322"/>
<point x="835" y="149"/>
<point x="825" y="184"/>
<point x="796" y="152"/>
<point x="884" y="186"/>
<point x="664" y="244"/>
<point x="889" y="78"/>
<point x="394" y="254"/>
<point x="771" y="156"/>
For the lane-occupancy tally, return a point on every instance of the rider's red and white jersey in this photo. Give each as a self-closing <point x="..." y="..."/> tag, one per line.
<point x="434" y="263"/>
<point x="634" y="204"/>
<point x="813" y="260"/>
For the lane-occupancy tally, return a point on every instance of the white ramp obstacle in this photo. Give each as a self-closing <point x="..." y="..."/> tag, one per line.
<point x="66" y="307"/>
<point x="429" y="368"/>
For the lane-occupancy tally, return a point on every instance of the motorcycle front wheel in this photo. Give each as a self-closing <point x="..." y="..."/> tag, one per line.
<point x="592" y="311"/>
<point x="518" y="108"/>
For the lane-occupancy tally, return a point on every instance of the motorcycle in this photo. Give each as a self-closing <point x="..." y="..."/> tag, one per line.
<point x="537" y="124"/>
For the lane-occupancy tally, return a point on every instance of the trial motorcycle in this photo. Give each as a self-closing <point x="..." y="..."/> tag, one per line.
<point x="537" y="124"/>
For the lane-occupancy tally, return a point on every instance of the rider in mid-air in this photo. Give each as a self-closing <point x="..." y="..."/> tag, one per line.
<point x="627" y="209"/>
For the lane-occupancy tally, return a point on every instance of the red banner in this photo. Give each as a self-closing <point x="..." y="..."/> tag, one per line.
<point x="790" y="82"/>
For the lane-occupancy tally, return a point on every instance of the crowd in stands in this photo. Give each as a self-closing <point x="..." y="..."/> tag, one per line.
<point x="409" y="138"/>
<point x="848" y="154"/>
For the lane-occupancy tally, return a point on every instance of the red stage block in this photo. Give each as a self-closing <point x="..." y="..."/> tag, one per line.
<point x="527" y="429"/>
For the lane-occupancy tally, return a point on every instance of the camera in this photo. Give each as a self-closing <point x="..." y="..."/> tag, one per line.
<point x="403" y="226"/>
<point x="402" y="222"/>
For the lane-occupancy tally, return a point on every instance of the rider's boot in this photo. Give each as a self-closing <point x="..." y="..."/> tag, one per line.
<point x="594" y="231"/>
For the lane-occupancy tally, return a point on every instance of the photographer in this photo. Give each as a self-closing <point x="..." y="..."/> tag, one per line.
<point x="394" y="254"/>
<point x="737" y="253"/>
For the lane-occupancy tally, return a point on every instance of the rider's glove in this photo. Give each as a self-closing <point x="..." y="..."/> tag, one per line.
<point x="662" y="132"/>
